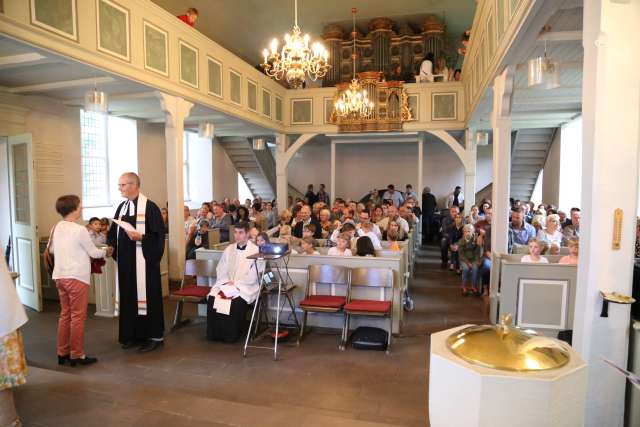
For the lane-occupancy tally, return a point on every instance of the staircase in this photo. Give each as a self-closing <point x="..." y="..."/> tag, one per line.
<point x="528" y="156"/>
<point x="258" y="168"/>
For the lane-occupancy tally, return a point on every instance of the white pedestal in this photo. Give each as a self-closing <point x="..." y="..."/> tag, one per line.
<point x="467" y="395"/>
<point x="104" y="285"/>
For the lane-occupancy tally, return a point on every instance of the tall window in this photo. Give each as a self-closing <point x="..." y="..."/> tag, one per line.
<point x="95" y="164"/>
<point x="109" y="147"/>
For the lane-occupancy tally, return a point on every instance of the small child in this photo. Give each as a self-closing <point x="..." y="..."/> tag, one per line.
<point x="95" y="231"/>
<point x="342" y="247"/>
<point x="392" y="237"/>
<point x="572" y="258"/>
<point x="190" y="17"/>
<point x="106" y="223"/>
<point x="535" y="249"/>
<point x="308" y="246"/>
<point x="308" y="230"/>
<point x="470" y="258"/>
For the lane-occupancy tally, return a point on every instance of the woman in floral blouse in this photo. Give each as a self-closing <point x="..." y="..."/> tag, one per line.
<point x="13" y="366"/>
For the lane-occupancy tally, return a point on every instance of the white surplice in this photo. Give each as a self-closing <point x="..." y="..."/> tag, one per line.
<point x="235" y="267"/>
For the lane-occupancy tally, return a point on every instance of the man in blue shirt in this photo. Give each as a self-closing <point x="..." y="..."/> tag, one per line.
<point x="520" y="231"/>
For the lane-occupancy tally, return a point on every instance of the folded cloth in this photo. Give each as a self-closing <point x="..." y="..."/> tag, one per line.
<point x="96" y="265"/>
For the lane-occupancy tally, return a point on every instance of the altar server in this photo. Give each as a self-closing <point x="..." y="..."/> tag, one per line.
<point x="236" y="287"/>
<point x="138" y="242"/>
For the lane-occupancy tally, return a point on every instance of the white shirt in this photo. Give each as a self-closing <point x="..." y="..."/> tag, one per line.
<point x="73" y="250"/>
<point x="375" y="230"/>
<point x="451" y="197"/>
<point x="335" y="251"/>
<point x="527" y="258"/>
<point x="235" y="267"/>
<point x="551" y="239"/>
<point x="426" y="71"/>
<point x="12" y="314"/>
<point x="404" y="225"/>
<point x="374" y="239"/>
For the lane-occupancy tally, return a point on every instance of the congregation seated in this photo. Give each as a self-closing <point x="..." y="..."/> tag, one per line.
<point x="552" y="234"/>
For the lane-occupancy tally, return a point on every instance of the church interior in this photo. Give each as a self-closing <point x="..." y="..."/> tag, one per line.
<point x="365" y="213"/>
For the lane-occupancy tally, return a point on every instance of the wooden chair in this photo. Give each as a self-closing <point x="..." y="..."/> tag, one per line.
<point x="189" y="291"/>
<point x="362" y="301"/>
<point x="320" y="293"/>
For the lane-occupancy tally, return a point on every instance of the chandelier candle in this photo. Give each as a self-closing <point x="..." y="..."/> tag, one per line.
<point x="296" y="61"/>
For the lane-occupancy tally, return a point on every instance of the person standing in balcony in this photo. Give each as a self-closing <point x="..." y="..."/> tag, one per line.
<point x="426" y="68"/>
<point x="190" y="17"/>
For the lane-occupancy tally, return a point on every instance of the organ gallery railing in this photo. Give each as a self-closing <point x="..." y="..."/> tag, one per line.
<point x="391" y="108"/>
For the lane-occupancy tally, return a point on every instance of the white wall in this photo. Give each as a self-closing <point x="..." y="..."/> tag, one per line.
<point x="551" y="178"/>
<point x="384" y="164"/>
<point x="225" y="175"/>
<point x="152" y="158"/>
<point x="571" y="170"/>
<point x="484" y="167"/>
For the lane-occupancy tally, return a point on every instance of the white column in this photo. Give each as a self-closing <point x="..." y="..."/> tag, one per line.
<point x="470" y="171"/>
<point x="420" y="182"/>
<point x="333" y="173"/>
<point x="282" y="181"/>
<point x="611" y="135"/>
<point x="501" y="123"/>
<point x="176" y="110"/>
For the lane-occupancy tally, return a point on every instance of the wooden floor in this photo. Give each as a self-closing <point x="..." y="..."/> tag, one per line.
<point x="193" y="382"/>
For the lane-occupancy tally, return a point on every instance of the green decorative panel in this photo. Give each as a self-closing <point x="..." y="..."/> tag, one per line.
<point x="491" y="36"/>
<point x="278" y="109"/>
<point x="412" y="100"/>
<point x="301" y="111"/>
<point x="58" y="16"/>
<point x="252" y="96"/>
<point x="513" y="7"/>
<point x="188" y="64"/>
<point x="328" y="109"/>
<point x="155" y="49"/>
<point x="500" y="17"/>
<point x="215" y="77"/>
<point x="266" y="103"/>
<point x="234" y="87"/>
<point x="443" y="106"/>
<point x="113" y="29"/>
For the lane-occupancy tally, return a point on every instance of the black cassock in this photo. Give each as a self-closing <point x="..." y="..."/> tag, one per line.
<point x="134" y="327"/>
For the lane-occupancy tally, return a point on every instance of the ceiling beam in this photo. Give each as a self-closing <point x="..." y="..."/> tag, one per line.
<point x="560" y="36"/>
<point x="23" y="60"/>
<point x="45" y="87"/>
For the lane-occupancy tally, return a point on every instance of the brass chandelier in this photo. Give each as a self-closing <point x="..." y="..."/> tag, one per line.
<point x="354" y="102"/>
<point x="296" y="61"/>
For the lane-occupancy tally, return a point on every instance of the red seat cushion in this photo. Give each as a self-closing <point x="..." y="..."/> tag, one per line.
<point x="193" y="291"/>
<point x="368" y="306"/>
<point x="326" y="301"/>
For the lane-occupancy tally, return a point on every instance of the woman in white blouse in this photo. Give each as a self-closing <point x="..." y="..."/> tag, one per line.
<point x="552" y="234"/>
<point x="72" y="247"/>
<point x="426" y="69"/>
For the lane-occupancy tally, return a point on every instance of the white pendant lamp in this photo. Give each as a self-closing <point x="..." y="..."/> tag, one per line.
<point x="206" y="130"/>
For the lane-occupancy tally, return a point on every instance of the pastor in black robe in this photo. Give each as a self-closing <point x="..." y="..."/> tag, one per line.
<point x="132" y="326"/>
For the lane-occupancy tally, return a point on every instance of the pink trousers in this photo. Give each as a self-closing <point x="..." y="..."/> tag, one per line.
<point x="74" y="295"/>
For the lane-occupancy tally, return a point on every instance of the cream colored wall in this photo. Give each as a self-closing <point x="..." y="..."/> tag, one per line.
<point x="225" y="175"/>
<point x="384" y="164"/>
<point x="55" y="131"/>
<point x="152" y="155"/>
<point x="551" y="177"/>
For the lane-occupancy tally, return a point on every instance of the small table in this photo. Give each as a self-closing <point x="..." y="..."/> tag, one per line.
<point x="271" y="263"/>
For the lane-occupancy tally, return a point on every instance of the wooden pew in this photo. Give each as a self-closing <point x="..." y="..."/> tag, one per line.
<point x="539" y="296"/>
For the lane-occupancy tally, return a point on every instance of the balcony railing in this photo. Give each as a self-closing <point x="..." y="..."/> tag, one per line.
<point x="495" y="26"/>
